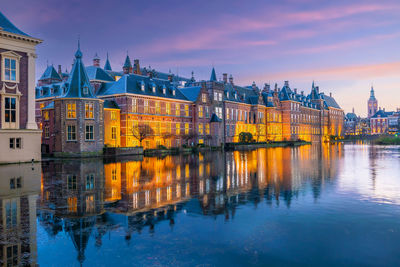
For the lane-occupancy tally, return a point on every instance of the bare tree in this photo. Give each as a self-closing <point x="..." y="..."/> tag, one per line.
<point x="142" y="131"/>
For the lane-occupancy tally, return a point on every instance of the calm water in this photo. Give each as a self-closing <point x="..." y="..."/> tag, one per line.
<point x="313" y="205"/>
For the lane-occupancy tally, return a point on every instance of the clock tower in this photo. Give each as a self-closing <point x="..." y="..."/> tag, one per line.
<point x="372" y="104"/>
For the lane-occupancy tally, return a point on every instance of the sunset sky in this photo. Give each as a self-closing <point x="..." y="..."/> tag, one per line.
<point x="345" y="46"/>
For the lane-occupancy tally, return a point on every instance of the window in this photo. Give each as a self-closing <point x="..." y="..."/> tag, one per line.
<point x="158" y="110"/>
<point x="10" y="69"/>
<point x="89" y="181"/>
<point x="90" y="207"/>
<point x="177" y="110"/>
<point x="187" y="110"/>
<point x="72" y="204"/>
<point x="71" y="182"/>
<point x="71" y="111"/>
<point x="207" y="112"/>
<point x="15" y="143"/>
<point x="89" y="133"/>
<point x="200" y="111"/>
<point x="15" y="183"/>
<point x="85" y="90"/>
<point x="12" y="255"/>
<point x="114" y="174"/>
<point x="200" y="128"/>
<point x="146" y="106"/>
<point x="227" y="113"/>
<point x="178" y="128"/>
<point x="46" y="115"/>
<point x="168" y="108"/>
<point x="71" y="133"/>
<point x="164" y="90"/>
<point x="186" y="128"/>
<point x="10" y="110"/>
<point x="89" y="110"/>
<point x="220" y="96"/>
<point x="218" y="112"/>
<point x="204" y="98"/>
<point x="113" y="133"/>
<point x="11" y="213"/>
<point x="215" y="96"/>
<point x="46" y="132"/>
<point x="134" y="105"/>
<point x="207" y="128"/>
<point x="154" y="88"/>
<point x="142" y="86"/>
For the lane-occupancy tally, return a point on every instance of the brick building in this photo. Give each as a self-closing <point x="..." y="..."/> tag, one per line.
<point x="19" y="134"/>
<point x="144" y="107"/>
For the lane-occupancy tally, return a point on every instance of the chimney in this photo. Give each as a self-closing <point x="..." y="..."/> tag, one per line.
<point x="383" y="109"/>
<point x="317" y="89"/>
<point x="276" y="87"/>
<point x="231" y="79"/>
<point x="136" y="67"/>
<point x="287" y="83"/>
<point x="330" y="94"/>
<point x="59" y="70"/>
<point x="266" y="87"/>
<point x="170" y="77"/>
<point x="254" y="86"/>
<point x="302" y="93"/>
<point x="295" y="91"/>
<point x="353" y="111"/>
<point x="225" y="77"/>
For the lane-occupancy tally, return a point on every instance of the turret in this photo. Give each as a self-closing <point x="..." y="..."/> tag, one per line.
<point x="96" y="61"/>
<point x="127" y="67"/>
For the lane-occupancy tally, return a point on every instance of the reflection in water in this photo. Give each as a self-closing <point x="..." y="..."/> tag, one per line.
<point x="88" y="198"/>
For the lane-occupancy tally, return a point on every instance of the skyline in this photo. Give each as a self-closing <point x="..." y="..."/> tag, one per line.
<point x="343" y="47"/>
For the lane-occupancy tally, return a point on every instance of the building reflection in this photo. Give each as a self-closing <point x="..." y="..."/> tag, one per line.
<point x="87" y="199"/>
<point x="19" y="190"/>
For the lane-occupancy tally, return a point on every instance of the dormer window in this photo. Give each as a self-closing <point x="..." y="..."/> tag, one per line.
<point x="164" y="90"/>
<point x="227" y="94"/>
<point x="52" y="91"/>
<point x="41" y="92"/>
<point x="154" y="88"/>
<point x="142" y="86"/>
<point x="64" y="90"/>
<point x="85" y="90"/>
<point x="173" y="92"/>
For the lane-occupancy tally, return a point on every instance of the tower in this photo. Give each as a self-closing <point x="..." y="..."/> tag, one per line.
<point x="372" y="104"/>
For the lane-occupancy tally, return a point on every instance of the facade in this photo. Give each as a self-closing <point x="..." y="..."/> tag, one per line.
<point x="143" y="107"/>
<point x="384" y="122"/>
<point x="353" y="124"/>
<point x="19" y="134"/>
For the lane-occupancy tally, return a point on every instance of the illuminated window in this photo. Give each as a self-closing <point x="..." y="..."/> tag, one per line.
<point x="186" y="128"/>
<point x="113" y="115"/>
<point x="71" y="133"/>
<point x="178" y="128"/>
<point x="89" y="181"/>
<point x="207" y="128"/>
<point x="204" y="98"/>
<point x="168" y="108"/>
<point x="187" y="171"/>
<point x="227" y="113"/>
<point x="114" y="174"/>
<point x="41" y="105"/>
<point x="207" y="112"/>
<point x="200" y="128"/>
<point x="89" y="110"/>
<point x="169" y="193"/>
<point x="135" y="200"/>
<point x="71" y="111"/>
<point x="46" y="115"/>
<point x="200" y="111"/>
<point x="158" y="195"/>
<point x="46" y="132"/>
<point x="134" y="105"/>
<point x="177" y="110"/>
<point x="147" y="197"/>
<point x="178" y="190"/>
<point x="158" y="110"/>
<point x="90" y="206"/>
<point x="187" y="110"/>
<point x="113" y="133"/>
<point x="89" y="133"/>
<point x="10" y="111"/>
<point x="146" y="106"/>
<point x="72" y="204"/>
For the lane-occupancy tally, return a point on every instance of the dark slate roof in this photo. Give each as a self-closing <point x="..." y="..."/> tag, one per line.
<point x="382" y="114"/>
<point x="7" y="26"/>
<point x="329" y="101"/>
<point x="50" y="90"/>
<point x="127" y="63"/>
<point x="50" y="73"/>
<point x="97" y="73"/>
<point x="132" y="84"/>
<point x="214" y="118"/>
<point x="191" y="93"/>
<point x="213" y="77"/>
<point x="78" y="79"/>
<point x="351" y="116"/>
<point x="268" y="98"/>
<point x="111" y="104"/>
<point x="162" y="75"/>
<point x="49" y="106"/>
<point x="107" y="66"/>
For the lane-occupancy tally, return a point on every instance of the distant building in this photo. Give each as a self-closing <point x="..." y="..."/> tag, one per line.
<point x="19" y="134"/>
<point x="352" y="124"/>
<point x="372" y="103"/>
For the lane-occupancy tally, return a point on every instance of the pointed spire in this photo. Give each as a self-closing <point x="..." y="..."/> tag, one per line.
<point x="78" y="53"/>
<point x="127" y="63"/>
<point x="372" y="93"/>
<point x="313" y="85"/>
<point x="213" y="77"/>
<point x="107" y="66"/>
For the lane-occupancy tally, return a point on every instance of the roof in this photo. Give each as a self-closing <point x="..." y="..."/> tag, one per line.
<point x="50" y="73"/>
<point x="49" y="106"/>
<point x="127" y="63"/>
<point x="51" y="90"/>
<point x="133" y="84"/>
<point x="78" y="81"/>
<point x="7" y="26"/>
<point x="351" y="116"/>
<point x="214" y="118"/>
<point x="382" y="114"/>
<point x="213" y="77"/>
<point x="191" y="93"/>
<point x="107" y="66"/>
<point x="97" y="73"/>
<point x="329" y="101"/>
<point x="111" y="104"/>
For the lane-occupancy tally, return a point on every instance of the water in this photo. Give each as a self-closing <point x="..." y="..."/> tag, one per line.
<point x="312" y="205"/>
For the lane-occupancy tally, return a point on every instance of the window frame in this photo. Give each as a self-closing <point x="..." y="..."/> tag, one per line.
<point x="10" y="55"/>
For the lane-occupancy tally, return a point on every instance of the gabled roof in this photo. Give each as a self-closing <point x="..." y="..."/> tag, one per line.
<point x="191" y="93"/>
<point x="213" y="77"/>
<point x="7" y="26"/>
<point x="111" y="104"/>
<point x="50" y="73"/>
<point x="97" y="73"/>
<point x="78" y="81"/>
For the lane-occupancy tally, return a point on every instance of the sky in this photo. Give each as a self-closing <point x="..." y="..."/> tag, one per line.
<point x="345" y="46"/>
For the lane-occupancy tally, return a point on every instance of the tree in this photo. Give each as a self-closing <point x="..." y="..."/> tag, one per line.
<point x="245" y="137"/>
<point x="142" y="131"/>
